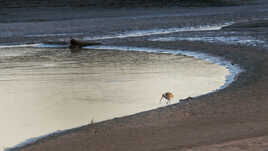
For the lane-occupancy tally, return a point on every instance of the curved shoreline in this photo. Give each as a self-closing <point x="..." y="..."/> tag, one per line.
<point x="234" y="71"/>
<point x="232" y="68"/>
<point x="144" y="115"/>
<point x="240" y="111"/>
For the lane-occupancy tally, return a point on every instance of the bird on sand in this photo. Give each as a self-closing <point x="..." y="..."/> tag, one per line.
<point x="168" y="96"/>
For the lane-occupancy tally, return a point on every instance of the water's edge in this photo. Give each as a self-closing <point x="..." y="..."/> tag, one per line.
<point x="232" y="68"/>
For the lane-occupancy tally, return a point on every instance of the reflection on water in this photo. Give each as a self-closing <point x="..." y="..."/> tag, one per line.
<point x="44" y="90"/>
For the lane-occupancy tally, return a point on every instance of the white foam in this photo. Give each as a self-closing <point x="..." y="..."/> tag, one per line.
<point x="18" y="46"/>
<point x="245" y="40"/>
<point x="51" y="45"/>
<point x="14" y="53"/>
<point x="50" y="35"/>
<point x="140" y="33"/>
<point x="38" y="45"/>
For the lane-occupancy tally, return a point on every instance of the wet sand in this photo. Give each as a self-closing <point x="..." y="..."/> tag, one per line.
<point x="225" y="119"/>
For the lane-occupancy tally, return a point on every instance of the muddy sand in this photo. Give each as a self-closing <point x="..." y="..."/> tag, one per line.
<point x="234" y="118"/>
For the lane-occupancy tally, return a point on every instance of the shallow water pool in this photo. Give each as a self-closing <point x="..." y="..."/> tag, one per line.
<point x="44" y="90"/>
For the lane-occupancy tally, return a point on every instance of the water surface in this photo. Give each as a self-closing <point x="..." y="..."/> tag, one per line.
<point x="44" y="90"/>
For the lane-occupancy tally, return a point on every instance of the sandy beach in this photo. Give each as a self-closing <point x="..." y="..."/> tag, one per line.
<point x="232" y="119"/>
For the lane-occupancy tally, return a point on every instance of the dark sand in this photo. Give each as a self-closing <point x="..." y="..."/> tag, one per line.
<point x="235" y="118"/>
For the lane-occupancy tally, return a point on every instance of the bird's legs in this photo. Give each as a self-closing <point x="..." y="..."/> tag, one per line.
<point x="168" y="101"/>
<point x="161" y="99"/>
